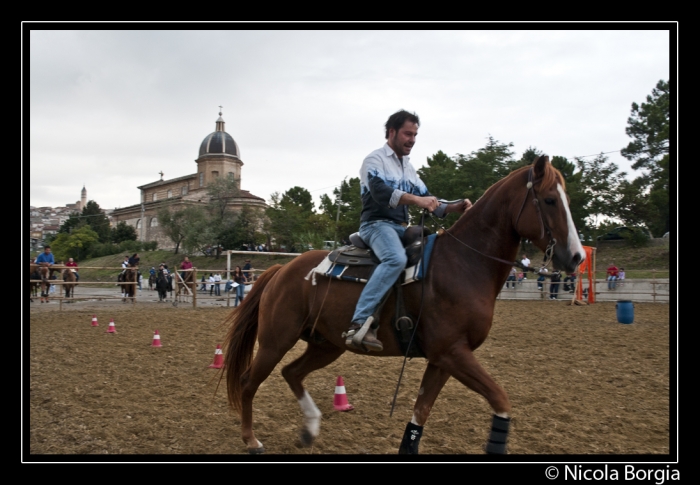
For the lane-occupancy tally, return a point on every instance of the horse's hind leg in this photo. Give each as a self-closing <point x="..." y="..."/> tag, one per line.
<point x="316" y="356"/>
<point x="433" y="381"/>
<point x="463" y="366"/>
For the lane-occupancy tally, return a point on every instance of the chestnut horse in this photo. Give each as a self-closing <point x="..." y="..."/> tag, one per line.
<point x="455" y="303"/>
<point x="183" y="286"/>
<point x="69" y="282"/>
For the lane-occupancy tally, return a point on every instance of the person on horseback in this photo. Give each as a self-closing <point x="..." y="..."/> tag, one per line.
<point x="389" y="184"/>
<point x="74" y="267"/>
<point x="45" y="258"/>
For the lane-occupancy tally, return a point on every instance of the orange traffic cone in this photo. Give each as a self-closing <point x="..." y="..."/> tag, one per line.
<point x="218" y="358"/>
<point x="94" y="321"/>
<point x="156" y="340"/>
<point x="111" y="328"/>
<point x="340" y="400"/>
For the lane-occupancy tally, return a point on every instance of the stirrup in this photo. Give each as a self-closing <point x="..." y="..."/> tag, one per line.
<point x="354" y="339"/>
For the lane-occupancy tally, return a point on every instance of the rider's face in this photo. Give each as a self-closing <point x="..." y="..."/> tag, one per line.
<point x="402" y="141"/>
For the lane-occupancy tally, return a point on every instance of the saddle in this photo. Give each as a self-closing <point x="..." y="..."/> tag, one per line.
<point x="356" y="262"/>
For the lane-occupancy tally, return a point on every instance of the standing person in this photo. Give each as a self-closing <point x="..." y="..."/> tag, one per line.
<point x="554" y="284"/>
<point x="151" y="278"/>
<point x="526" y="263"/>
<point x="570" y="282"/>
<point x="217" y="284"/>
<point x="246" y="268"/>
<point x="239" y="282"/>
<point x="512" y="277"/>
<point x="540" y="281"/>
<point x="211" y="284"/>
<point x="388" y="185"/>
<point x="612" y="273"/>
<point x="204" y="283"/>
<point x="74" y="266"/>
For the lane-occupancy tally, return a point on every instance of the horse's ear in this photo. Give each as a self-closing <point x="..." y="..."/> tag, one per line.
<point x="540" y="165"/>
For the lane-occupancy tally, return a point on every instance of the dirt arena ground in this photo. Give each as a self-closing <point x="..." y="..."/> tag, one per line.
<point x="580" y="384"/>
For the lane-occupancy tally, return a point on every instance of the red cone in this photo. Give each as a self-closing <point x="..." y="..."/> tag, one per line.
<point x="94" y="321"/>
<point x="156" y="340"/>
<point x="340" y="400"/>
<point x="111" y="328"/>
<point x="218" y="358"/>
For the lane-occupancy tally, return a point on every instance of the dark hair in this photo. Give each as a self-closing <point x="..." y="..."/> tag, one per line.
<point x="47" y="247"/>
<point x="397" y="120"/>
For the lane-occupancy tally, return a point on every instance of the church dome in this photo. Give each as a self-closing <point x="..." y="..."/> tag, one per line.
<point x="219" y="142"/>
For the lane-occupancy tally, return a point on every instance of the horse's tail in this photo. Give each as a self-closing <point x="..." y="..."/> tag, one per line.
<point x="241" y="336"/>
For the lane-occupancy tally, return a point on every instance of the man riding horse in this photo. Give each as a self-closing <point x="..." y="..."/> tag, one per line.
<point x="389" y="184"/>
<point x="45" y="261"/>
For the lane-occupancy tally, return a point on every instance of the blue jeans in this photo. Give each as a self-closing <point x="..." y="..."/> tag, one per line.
<point x="384" y="237"/>
<point x="611" y="282"/>
<point x="239" y="294"/>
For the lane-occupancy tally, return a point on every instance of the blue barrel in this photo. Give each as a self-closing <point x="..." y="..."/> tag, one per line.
<point x="625" y="311"/>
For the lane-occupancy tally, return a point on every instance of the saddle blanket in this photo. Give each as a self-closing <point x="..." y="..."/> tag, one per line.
<point x="331" y="269"/>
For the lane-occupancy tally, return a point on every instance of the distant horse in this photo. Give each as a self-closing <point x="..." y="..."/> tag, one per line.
<point x="69" y="282"/>
<point x="162" y="286"/>
<point x="45" y="274"/>
<point x="34" y="285"/>
<point x="128" y="280"/>
<point x="183" y="286"/>
<point x="455" y="303"/>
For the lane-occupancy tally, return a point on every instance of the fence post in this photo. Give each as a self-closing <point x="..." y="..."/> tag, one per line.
<point x="653" y="285"/>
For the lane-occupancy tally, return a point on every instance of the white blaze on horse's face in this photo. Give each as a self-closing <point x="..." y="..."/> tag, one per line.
<point x="573" y="244"/>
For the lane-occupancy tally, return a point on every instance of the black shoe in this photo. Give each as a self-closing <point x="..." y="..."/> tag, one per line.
<point x="359" y="337"/>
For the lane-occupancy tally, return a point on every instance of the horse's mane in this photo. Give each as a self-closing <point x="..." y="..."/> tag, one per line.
<point x="550" y="178"/>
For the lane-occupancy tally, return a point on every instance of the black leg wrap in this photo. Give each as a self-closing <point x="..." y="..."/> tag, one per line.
<point x="411" y="439"/>
<point x="496" y="444"/>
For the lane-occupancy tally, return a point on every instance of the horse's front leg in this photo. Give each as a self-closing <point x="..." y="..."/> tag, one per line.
<point x="433" y="381"/>
<point x="460" y="362"/>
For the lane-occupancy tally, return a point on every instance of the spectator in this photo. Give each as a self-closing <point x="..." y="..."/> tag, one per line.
<point x="526" y="263"/>
<point x="511" y="277"/>
<point x="204" y="283"/>
<point x="239" y="282"/>
<point x="73" y="264"/>
<point x="621" y="276"/>
<point x="211" y="284"/>
<point x="521" y="277"/>
<point x="554" y="284"/>
<point x="612" y="273"/>
<point x="570" y="282"/>
<point x="246" y="268"/>
<point x="217" y="284"/>
<point x="540" y="280"/>
<point x="151" y="278"/>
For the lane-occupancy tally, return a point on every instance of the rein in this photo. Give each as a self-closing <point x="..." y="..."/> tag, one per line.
<point x="549" y="250"/>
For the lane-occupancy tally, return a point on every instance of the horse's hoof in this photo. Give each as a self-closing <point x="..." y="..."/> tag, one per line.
<point x="307" y="439"/>
<point x="256" y="451"/>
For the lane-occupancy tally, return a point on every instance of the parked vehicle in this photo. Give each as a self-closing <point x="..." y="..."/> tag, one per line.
<point x="624" y="232"/>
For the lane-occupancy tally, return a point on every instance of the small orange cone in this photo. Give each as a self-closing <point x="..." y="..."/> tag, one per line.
<point x="94" y="321"/>
<point x="340" y="400"/>
<point x="156" y="340"/>
<point x="111" y="328"/>
<point x="218" y="358"/>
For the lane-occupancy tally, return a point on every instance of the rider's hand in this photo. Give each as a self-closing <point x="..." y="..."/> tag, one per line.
<point x="461" y="206"/>
<point x="428" y="203"/>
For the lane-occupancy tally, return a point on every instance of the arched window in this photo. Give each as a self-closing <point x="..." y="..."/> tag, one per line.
<point x="214" y="174"/>
<point x="138" y="224"/>
<point x="154" y="222"/>
<point x="201" y="179"/>
<point x="184" y="190"/>
<point x="170" y="193"/>
<point x="155" y="196"/>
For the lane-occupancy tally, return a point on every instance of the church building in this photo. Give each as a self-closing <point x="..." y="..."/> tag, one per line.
<point x="219" y="156"/>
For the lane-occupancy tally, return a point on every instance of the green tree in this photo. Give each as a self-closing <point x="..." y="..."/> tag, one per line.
<point x="176" y="224"/>
<point x="348" y="213"/>
<point x="289" y="216"/>
<point x="75" y="245"/>
<point x="600" y="181"/>
<point x="97" y="220"/>
<point x="649" y="126"/>
<point x="123" y="232"/>
<point x="222" y="191"/>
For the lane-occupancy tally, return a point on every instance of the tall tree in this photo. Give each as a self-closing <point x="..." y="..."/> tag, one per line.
<point x="649" y="127"/>
<point x="600" y="181"/>
<point x="74" y="245"/>
<point x="177" y="224"/>
<point x="94" y="216"/>
<point x="348" y="212"/>
<point x="123" y="232"/>
<point x="289" y="216"/>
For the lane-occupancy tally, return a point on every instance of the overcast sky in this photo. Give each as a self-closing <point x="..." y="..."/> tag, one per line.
<point x="110" y="109"/>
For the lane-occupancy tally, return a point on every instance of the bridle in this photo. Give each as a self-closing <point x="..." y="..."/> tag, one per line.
<point x="544" y="228"/>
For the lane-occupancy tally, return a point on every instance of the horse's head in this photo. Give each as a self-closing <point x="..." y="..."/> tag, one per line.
<point x="44" y="272"/>
<point x="544" y="217"/>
